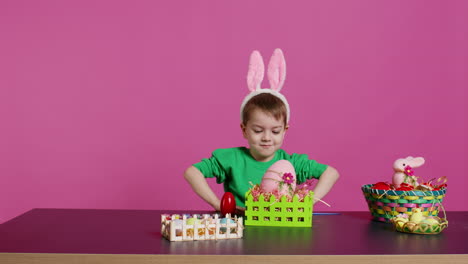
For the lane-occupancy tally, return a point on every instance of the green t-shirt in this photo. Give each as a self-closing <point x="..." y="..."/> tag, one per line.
<point x="236" y="168"/>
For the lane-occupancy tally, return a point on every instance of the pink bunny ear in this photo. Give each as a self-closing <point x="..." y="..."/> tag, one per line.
<point x="277" y="70"/>
<point x="256" y="71"/>
<point x="416" y="162"/>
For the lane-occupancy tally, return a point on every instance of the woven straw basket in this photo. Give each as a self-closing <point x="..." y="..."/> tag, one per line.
<point x="420" y="228"/>
<point x="385" y="204"/>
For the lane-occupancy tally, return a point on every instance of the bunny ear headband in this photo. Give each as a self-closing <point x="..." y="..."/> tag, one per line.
<point x="276" y="76"/>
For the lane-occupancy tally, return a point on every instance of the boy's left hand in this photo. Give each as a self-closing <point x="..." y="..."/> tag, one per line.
<point x="240" y="210"/>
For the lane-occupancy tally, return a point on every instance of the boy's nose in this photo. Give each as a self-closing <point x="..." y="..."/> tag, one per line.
<point x="266" y="137"/>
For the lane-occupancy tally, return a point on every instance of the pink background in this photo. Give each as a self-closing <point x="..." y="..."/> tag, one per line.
<point x="104" y="104"/>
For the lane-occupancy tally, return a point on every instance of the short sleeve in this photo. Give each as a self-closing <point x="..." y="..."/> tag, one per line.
<point x="306" y="168"/>
<point x="213" y="166"/>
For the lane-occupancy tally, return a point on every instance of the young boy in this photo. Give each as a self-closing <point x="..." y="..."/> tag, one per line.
<point x="264" y="122"/>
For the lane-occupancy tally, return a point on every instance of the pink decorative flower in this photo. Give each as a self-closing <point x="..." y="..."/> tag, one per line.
<point x="288" y="178"/>
<point x="409" y="171"/>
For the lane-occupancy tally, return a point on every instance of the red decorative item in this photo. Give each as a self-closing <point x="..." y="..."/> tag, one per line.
<point x="428" y="184"/>
<point x="440" y="187"/>
<point x="228" y="204"/>
<point x="440" y="183"/>
<point x="405" y="187"/>
<point x="382" y="186"/>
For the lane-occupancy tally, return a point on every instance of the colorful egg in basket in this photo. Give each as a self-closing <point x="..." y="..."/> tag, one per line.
<point x="386" y="204"/>
<point x="280" y="177"/>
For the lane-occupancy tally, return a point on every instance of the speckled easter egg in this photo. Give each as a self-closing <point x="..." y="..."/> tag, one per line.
<point x="278" y="176"/>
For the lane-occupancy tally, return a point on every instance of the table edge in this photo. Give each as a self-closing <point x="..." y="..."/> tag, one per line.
<point x="39" y="258"/>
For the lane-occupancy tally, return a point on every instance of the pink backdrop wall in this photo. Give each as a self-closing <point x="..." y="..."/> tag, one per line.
<point x="103" y="104"/>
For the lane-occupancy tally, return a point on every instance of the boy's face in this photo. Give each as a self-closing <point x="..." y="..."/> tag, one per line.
<point x="264" y="133"/>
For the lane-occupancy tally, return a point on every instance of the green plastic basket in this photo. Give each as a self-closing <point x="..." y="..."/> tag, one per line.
<point x="279" y="213"/>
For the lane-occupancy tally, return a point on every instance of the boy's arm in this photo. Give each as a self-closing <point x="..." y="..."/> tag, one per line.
<point x="199" y="184"/>
<point x="325" y="182"/>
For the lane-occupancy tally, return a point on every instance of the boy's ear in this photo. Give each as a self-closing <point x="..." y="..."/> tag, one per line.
<point x="286" y="127"/>
<point x="243" y="129"/>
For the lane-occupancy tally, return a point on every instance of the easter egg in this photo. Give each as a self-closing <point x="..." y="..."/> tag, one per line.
<point x="228" y="204"/>
<point x="430" y="221"/>
<point x="280" y="177"/>
<point x="224" y="221"/>
<point x="192" y="221"/>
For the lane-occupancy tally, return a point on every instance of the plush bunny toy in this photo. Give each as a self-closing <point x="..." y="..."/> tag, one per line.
<point x="403" y="170"/>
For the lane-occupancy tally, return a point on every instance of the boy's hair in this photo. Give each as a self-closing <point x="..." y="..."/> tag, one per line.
<point x="268" y="103"/>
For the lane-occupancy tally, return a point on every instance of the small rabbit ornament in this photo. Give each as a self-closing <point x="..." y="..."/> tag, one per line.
<point x="404" y="170"/>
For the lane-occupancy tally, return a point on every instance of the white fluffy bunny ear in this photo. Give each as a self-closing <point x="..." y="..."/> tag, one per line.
<point x="277" y="70"/>
<point x="256" y="71"/>
<point x="416" y="162"/>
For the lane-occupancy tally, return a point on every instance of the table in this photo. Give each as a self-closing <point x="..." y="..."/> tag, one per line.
<point x="133" y="236"/>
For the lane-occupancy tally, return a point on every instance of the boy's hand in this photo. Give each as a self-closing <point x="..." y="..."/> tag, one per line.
<point x="325" y="183"/>
<point x="240" y="210"/>
<point x="199" y="184"/>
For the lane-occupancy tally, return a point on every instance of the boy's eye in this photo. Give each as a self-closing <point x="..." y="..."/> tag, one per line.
<point x="257" y="131"/>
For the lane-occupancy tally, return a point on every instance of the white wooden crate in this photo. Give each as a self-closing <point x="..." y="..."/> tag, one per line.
<point x="205" y="227"/>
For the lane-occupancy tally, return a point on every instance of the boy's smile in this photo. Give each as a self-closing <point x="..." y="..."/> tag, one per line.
<point x="264" y="134"/>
